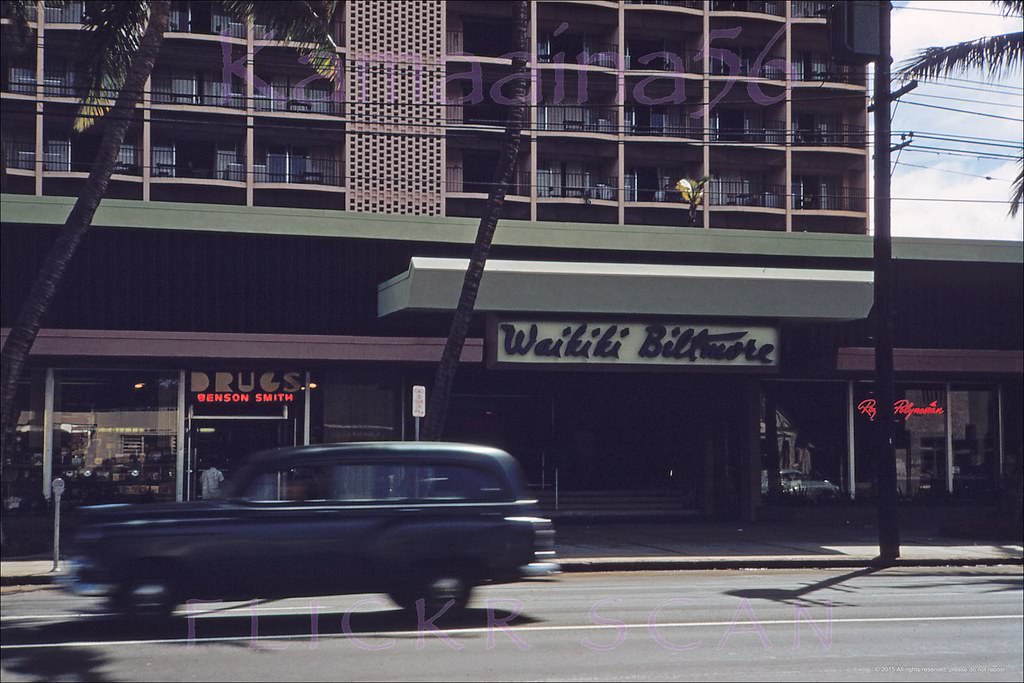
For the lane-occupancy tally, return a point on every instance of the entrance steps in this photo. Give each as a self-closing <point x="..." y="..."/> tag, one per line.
<point x="609" y="505"/>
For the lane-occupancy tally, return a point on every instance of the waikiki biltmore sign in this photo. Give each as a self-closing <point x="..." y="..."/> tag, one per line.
<point x="608" y="343"/>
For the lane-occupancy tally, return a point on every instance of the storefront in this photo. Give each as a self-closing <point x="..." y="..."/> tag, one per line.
<point x="597" y="376"/>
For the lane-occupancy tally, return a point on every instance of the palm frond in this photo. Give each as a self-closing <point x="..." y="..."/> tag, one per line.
<point x="1010" y="8"/>
<point x="998" y="55"/>
<point x="307" y="23"/>
<point x="1017" y="189"/>
<point x="110" y="38"/>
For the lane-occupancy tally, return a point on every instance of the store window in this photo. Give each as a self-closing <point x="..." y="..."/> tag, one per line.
<point x="810" y="427"/>
<point x="115" y="435"/>
<point x="23" y="459"/>
<point x="974" y="416"/>
<point x="360" y="407"/>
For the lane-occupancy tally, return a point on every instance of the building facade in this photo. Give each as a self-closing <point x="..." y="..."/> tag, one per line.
<point x="277" y="261"/>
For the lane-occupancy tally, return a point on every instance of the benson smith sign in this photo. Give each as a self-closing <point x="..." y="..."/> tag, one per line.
<point x="634" y="344"/>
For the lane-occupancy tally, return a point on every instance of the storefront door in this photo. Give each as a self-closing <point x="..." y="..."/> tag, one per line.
<point x="226" y="443"/>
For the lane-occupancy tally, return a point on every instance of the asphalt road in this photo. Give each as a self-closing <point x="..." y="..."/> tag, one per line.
<point x="893" y="624"/>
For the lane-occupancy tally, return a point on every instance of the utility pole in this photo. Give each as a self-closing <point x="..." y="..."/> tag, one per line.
<point x="860" y="32"/>
<point x="885" y="447"/>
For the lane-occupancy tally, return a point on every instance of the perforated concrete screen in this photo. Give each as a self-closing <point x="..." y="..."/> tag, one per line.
<point x="394" y="86"/>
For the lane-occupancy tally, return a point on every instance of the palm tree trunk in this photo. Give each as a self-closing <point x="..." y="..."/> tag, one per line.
<point x="441" y="394"/>
<point x="19" y="342"/>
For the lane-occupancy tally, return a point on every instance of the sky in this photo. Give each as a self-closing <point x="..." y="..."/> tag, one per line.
<point x="918" y="24"/>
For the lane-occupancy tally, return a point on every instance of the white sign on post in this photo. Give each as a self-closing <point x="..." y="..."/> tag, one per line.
<point x="419" y="406"/>
<point x="419" y="401"/>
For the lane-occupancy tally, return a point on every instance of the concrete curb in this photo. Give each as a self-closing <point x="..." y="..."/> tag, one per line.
<point x="597" y="564"/>
<point x="660" y="564"/>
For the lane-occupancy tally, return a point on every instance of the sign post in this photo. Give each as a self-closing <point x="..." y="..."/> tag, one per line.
<point x="58" y="490"/>
<point x="419" y="405"/>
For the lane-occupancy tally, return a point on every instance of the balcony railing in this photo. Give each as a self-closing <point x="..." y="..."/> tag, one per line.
<point x="664" y="58"/>
<point x="65" y="13"/>
<point x="62" y="85"/>
<point x="455" y="181"/>
<point x="309" y="101"/>
<point x="22" y="79"/>
<point x="773" y="7"/>
<point x="20" y="153"/>
<point x="587" y="186"/>
<point x="692" y="4"/>
<point x="665" y="194"/>
<point x="803" y="9"/>
<point x="827" y="71"/>
<point x="593" y="53"/>
<point x="837" y="135"/>
<point x="769" y="133"/>
<point x="578" y="119"/>
<point x="746" y="65"/>
<point x="746" y="193"/>
<point x="300" y="171"/>
<point x="453" y="42"/>
<point x="848" y="199"/>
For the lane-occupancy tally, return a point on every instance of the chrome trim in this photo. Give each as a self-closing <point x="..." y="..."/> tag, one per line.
<point x="540" y="569"/>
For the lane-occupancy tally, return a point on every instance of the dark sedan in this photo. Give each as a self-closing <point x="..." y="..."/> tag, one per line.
<point x="419" y="521"/>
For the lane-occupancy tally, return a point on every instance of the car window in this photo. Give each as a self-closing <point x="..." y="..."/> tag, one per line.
<point x="445" y="482"/>
<point x="370" y="482"/>
<point x="302" y="483"/>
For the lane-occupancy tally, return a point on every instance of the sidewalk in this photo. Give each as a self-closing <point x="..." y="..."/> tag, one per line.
<point x="693" y="544"/>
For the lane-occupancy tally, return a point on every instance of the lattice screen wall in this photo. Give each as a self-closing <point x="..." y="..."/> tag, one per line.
<point x="394" y="83"/>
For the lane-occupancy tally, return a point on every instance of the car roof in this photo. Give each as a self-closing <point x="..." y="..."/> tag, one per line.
<point x="436" y="451"/>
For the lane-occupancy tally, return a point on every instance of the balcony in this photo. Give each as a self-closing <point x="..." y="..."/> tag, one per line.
<point x="59" y="83"/>
<point x="482" y="114"/>
<point x="578" y="119"/>
<point x="456" y="181"/>
<point x="773" y="7"/>
<point x="764" y="133"/>
<point x="21" y="79"/>
<point x="821" y="69"/>
<point x="643" y="185"/>
<point x="744" y="63"/>
<point x="202" y="18"/>
<point x="7" y="12"/>
<point x="830" y="135"/>
<point x="809" y="9"/>
<point x="204" y="89"/>
<point x="829" y="199"/>
<point x="290" y="97"/>
<point x="20" y="152"/>
<point x="690" y="4"/>
<point x="197" y="159"/>
<point x="578" y="49"/>
<point x="65" y="13"/>
<point x="659" y="121"/>
<point x="649" y="55"/>
<point x="299" y="170"/>
<point x="555" y="184"/>
<point x="745" y="192"/>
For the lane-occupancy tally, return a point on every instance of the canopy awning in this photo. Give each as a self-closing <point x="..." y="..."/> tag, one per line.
<point x="434" y="284"/>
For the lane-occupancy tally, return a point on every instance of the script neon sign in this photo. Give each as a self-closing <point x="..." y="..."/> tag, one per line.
<point x="903" y="407"/>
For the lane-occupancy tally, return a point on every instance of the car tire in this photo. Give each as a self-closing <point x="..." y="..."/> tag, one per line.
<point x="437" y="588"/>
<point x="149" y="594"/>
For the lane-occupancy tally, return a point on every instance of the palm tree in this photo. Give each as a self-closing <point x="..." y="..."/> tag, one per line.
<point x="120" y="42"/>
<point x="693" y="194"/>
<point x="998" y="55"/>
<point x="445" y="376"/>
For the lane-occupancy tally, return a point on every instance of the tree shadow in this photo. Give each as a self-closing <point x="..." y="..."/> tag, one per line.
<point x="799" y="596"/>
<point x="240" y="625"/>
<point x="56" y="664"/>
<point x="794" y="596"/>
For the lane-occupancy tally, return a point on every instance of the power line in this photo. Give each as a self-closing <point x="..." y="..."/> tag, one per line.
<point x="946" y="170"/>
<point x="965" y="111"/>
